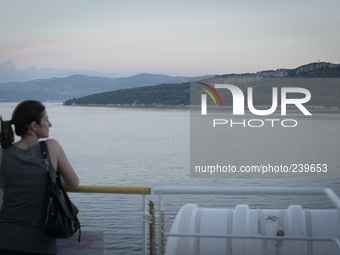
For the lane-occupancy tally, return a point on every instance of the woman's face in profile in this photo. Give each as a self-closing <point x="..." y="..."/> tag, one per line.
<point x="44" y="126"/>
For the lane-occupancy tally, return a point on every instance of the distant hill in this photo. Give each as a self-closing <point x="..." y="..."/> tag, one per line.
<point x="164" y="94"/>
<point x="10" y="73"/>
<point x="78" y="86"/>
<point x="312" y="70"/>
<point x="324" y="95"/>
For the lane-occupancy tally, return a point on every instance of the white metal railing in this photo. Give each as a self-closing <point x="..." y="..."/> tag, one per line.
<point x="203" y="190"/>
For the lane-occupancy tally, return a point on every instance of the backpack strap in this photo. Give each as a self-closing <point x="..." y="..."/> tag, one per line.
<point x="43" y="150"/>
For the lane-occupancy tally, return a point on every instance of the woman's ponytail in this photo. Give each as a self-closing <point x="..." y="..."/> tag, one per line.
<point x="6" y="133"/>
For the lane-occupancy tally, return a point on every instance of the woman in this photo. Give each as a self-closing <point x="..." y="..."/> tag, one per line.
<point x="24" y="181"/>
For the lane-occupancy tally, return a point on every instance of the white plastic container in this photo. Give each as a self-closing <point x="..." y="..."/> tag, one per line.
<point x="241" y="221"/>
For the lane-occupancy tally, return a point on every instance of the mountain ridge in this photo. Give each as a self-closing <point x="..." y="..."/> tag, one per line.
<point x="78" y="85"/>
<point x="325" y="69"/>
<point x="10" y="73"/>
<point x="179" y="94"/>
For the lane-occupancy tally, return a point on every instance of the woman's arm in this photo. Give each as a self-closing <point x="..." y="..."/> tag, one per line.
<point x="0" y="167"/>
<point x="60" y="162"/>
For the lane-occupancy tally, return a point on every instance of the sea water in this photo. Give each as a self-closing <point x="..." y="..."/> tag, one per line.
<point x="150" y="147"/>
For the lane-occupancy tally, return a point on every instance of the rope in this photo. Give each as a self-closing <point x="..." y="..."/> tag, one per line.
<point x="152" y="229"/>
<point x="163" y="231"/>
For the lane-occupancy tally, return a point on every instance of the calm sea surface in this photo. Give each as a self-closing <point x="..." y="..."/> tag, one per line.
<point x="150" y="147"/>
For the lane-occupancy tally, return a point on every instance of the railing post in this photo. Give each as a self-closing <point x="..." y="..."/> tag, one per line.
<point x="152" y="229"/>
<point x="160" y="209"/>
<point x="144" y="213"/>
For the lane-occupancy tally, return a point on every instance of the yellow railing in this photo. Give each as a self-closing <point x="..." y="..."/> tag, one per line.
<point x="113" y="190"/>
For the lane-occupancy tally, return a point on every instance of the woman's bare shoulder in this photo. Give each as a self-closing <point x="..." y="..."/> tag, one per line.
<point x="52" y="142"/>
<point x="53" y="145"/>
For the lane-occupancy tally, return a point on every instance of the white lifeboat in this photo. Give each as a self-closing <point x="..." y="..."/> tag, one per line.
<point x="242" y="231"/>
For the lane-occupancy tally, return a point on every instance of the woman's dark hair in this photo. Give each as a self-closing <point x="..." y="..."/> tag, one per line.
<point x="23" y="115"/>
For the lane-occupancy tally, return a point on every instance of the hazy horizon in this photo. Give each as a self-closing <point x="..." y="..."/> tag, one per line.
<point x="177" y="38"/>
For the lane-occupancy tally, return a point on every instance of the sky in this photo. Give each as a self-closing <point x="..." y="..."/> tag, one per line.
<point x="184" y="37"/>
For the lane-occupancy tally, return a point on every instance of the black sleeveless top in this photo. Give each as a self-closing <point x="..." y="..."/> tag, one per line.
<point x="24" y="180"/>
